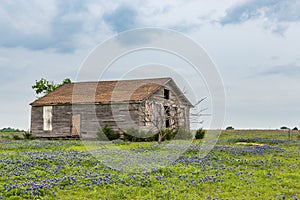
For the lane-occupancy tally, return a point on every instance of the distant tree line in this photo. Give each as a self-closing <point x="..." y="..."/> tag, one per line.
<point x="286" y="128"/>
<point x="9" y="129"/>
<point x="281" y="128"/>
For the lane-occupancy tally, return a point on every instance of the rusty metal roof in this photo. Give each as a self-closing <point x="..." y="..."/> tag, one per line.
<point x="102" y="92"/>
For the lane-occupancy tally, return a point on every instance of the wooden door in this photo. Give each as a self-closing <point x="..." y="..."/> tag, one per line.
<point x="76" y="125"/>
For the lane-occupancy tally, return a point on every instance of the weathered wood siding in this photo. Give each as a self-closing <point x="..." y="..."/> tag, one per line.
<point x="61" y="120"/>
<point x="36" y="125"/>
<point x="116" y="116"/>
<point x="174" y="101"/>
<point x="119" y="116"/>
<point x="93" y="117"/>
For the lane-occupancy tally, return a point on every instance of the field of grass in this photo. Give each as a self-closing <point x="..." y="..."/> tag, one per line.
<point x="265" y="166"/>
<point x="11" y="135"/>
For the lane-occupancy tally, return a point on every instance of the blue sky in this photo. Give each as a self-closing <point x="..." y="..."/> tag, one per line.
<point x="255" y="45"/>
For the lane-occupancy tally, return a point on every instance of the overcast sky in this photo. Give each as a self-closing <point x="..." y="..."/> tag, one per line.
<point x="255" y="45"/>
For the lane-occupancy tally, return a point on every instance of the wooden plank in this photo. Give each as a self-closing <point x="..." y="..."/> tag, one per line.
<point x="76" y="125"/>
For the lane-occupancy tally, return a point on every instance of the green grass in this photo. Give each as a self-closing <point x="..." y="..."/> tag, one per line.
<point x="9" y="135"/>
<point x="65" y="170"/>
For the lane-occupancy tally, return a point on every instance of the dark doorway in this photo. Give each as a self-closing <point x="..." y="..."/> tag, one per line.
<point x="167" y="118"/>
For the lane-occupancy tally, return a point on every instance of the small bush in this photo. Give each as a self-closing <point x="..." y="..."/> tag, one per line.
<point x="108" y="133"/>
<point x="134" y="135"/>
<point x="27" y="135"/>
<point x="295" y="129"/>
<point x="16" y="137"/>
<point x="229" y="128"/>
<point x="169" y="134"/>
<point x="129" y="137"/>
<point x="200" y="133"/>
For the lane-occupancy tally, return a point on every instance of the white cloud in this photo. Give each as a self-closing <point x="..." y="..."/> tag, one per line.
<point x="19" y="71"/>
<point x="60" y="25"/>
<point x="68" y="25"/>
<point x="51" y="38"/>
<point x="276" y="14"/>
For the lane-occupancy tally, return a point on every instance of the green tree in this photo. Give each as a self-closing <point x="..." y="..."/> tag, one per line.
<point x="9" y="129"/>
<point x="229" y="128"/>
<point x="43" y="86"/>
<point x="284" y="128"/>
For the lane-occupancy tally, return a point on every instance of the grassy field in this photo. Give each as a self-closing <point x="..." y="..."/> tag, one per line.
<point x="252" y="164"/>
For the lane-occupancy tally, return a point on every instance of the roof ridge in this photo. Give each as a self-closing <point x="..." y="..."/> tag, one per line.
<point x="116" y="80"/>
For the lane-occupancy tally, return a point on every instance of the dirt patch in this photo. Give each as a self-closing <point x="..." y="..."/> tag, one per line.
<point x="248" y="143"/>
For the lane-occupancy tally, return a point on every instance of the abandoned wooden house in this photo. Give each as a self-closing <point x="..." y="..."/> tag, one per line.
<point x="80" y="109"/>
